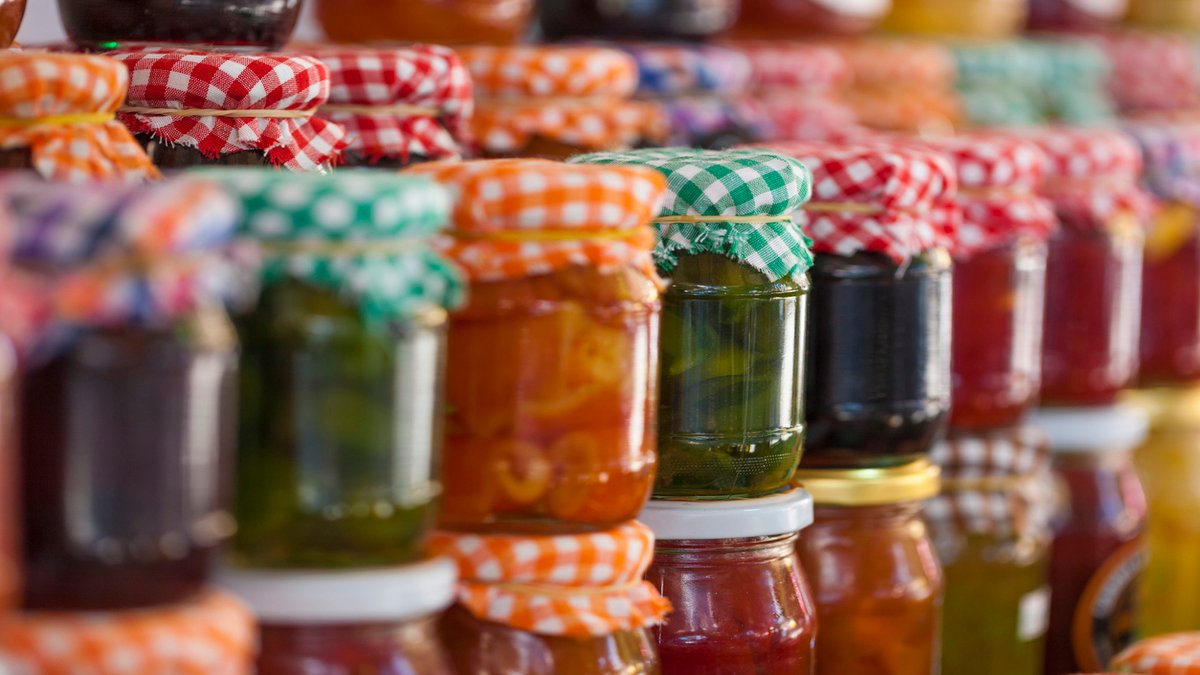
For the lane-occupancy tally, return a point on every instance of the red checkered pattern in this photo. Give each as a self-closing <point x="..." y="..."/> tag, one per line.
<point x="799" y="115"/>
<point x="1176" y="654"/>
<point x="184" y="79"/>
<point x="793" y="65"/>
<point x="897" y="200"/>
<point x="1152" y="71"/>
<point x="425" y="76"/>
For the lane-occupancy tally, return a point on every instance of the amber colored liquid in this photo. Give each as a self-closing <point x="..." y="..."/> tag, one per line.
<point x="448" y="22"/>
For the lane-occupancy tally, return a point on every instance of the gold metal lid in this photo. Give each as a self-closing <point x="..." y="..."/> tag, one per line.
<point x="915" y="481"/>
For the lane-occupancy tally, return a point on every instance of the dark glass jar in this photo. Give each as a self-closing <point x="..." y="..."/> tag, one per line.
<point x="125" y="435"/>
<point x="878" y="387"/>
<point x="1170" y="335"/>
<point x="785" y="19"/>
<point x="11" y="14"/>
<point x="740" y="601"/>
<point x="174" y="157"/>
<point x="228" y="24"/>
<point x="656" y="19"/>
<point x="9" y="544"/>
<point x="1075" y="15"/>
<point x="731" y="415"/>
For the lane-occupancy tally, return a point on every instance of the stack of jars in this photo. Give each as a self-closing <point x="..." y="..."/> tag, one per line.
<point x="730" y="422"/>
<point x="113" y="295"/>
<point x="877" y="398"/>
<point x="1093" y="290"/>
<point x="551" y="400"/>
<point x="339" y="420"/>
<point x="901" y="85"/>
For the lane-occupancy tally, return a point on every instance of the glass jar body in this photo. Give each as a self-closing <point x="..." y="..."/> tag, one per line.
<point x="12" y="12"/>
<point x="247" y="24"/>
<point x="1174" y="15"/>
<point x="997" y="344"/>
<point x="1170" y="335"/>
<point x="878" y="389"/>
<point x="1075" y="15"/>
<point x="169" y="157"/>
<point x="489" y="648"/>
<point x="126" y="438"/>
<point x="1105" y="515"/>
<point x="446" y="22"/>
<point x="964" y="18"/>
<point x="406" y="648"/>
<point x="740" y="606"/>
<point x="878" y="590"/>
<point x="1093" y="290"/>
<point x="551" y="387"/>
<point x="9" y="542"/>
<point x="731" y="421"/>
<point x="657" y="19"/>
<point x="787" y="18"/>
<point x="339" y="432"/>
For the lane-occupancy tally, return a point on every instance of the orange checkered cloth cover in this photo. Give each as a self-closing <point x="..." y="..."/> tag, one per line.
<point x="523" y="217"/>
<point x="576" y="585"/>
<point x="61" y="107"/>
<point x="1174" y="654"/>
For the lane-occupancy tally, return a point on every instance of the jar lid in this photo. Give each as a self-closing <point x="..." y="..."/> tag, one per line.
<point x="897" y="63"/>
<point x="345" y="596"/>
<point x="792" y="65"/>
<point x="545" y="71"/>
<point x="1172" y="157"/>
<point x="1152" y="71"/>
<point x="675" y="69"/>
<point x="916" y="481"/>
<point x="1013" y="62"/>
<point x="784" y="513"/>
<point x="1091" y="430"/>
<point x="1174" y="654"/>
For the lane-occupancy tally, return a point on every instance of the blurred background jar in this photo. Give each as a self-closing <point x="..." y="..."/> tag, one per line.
<point x="635" y="19"/>
<point x="246" y="25"/>
<point x="446" y="22"/>
<point x="787" y="19"/>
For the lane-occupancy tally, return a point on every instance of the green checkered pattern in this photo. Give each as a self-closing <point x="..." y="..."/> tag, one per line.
<point x="728" y="183"/>
<point x="357" y="208"/>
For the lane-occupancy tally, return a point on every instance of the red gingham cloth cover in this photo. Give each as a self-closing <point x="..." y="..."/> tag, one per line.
<point x="1152" y="71"/>
<point x="792" y="65"/>
<point x="577" y="585"/>
<point x="1174" y="654"/>
<point x="425" y="76"/>
<point x="899" y="199"/>
<point x="186" y="79"/>
<point x="801" y="116"/>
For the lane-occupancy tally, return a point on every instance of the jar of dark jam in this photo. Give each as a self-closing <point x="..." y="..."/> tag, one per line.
<point x="222" y="24"/>
<point x="9" y="545"/>
<point x="784" y="19"/>
<point x="1075" y="15"/>
<point x="656" y="19"/>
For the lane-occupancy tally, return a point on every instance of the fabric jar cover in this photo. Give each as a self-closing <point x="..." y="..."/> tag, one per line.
<point x="899" y="84"/>
<point x="996" y="483"/>
<point x="792" y="65"/>
<point x="998" y="181"/>
<point x="364" y="235"/>
<point x="577" y="585"/>
<point x="677" y="69"/>
<point x="61" y="107"/>
<point x="756" y="190"/>
<point x="1174" y="654"/>
<point x="103" y="254"/>
<point x="876" y="196"/>
<point x="279" y="93"/>
<point x="1152" y="71"/>
<point x="1171" y="154"/>
<point x="1001" y="83"/>
<point x="523" y="217"/>
<point x="213" y="634"/>
<point x="1076" y="81"/>
<point x="367" y="86"/>
<point x="574" y="95"/>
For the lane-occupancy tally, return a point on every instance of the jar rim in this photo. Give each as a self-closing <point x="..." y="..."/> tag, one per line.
<point x="778" y="514"/>
<point x="915" y="481"/>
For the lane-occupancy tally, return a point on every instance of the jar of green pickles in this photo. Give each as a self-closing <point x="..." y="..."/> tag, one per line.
<point x="731" y="419"/>
<point x="341" y="368"/>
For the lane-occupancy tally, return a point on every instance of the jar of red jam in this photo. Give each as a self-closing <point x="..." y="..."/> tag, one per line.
<point x="1075" y="15"/>
<point x="741" y="603"/>
<point x="1097" y="556"/>
<point x="9" y="538"/>
<point x="1094" y="267"/>
<point x="377" y="620"/>
<point x="223" y="24"/>
<point x="653" y="19"/>
<point x="875" y="576"/>
<point x="126" y="364"/>
<point x="787" y="19"/>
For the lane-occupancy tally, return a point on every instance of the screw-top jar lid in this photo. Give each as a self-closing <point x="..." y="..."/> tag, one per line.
<point x="390" y="594"/>
<point x="1092" y="430"/>
<point x="784" y="513"/>
<point x="916" y="481"/>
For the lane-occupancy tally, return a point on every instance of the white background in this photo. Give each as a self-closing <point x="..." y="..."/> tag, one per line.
<point x="41" y="24"/>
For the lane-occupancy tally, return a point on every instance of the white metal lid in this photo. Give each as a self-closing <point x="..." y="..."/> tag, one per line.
<point x="732" y="519"/>
<point x="1092" y="430"/>
<point x="373" y="595"/>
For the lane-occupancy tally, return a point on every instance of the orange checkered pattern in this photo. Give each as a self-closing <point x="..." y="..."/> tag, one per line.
<point x="1176" y="654"/>
<point x="41" y="86"/>
<point x="211" y="635"/>
<point x="545" y="71"/>
<point x="521" y="217"/>
<point x="896" y="63"/>
<point x="574" y="585"/>
<point x="610" y="125"/>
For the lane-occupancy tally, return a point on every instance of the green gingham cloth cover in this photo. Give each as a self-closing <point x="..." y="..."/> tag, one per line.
<point x="301" y="219"/>
<point x="727" y="183"/>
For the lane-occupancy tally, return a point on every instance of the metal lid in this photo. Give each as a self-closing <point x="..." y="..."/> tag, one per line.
<point x="916" y="481"/>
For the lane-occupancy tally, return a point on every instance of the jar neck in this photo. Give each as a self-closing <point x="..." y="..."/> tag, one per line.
<point x="749" y="549"/>
<point x="295" y="636"/>
<point x="875" y="515"/>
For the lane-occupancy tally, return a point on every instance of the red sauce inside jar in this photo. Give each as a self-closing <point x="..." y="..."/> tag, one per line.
<point x="1170" y="337"/>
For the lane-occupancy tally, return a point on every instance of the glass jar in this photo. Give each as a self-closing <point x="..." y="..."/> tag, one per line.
<point x="172" y="157"/>
<point x="381" y="621"/>
<point x="740" y="601"/>
<point x="1093" y="290"/>
<point x="1070" y="15"/>
<point x="874" y="572"/>
<point x="9" y="544"/>
<point x="998" y="296"/>
<point x="226" y="24"/>
<point x="1174" y="15"/>
<point x="11" y="14"/>
<point x="1097" y="556"/>
<point x="339" y="434"/>
<point x="878" y="383"/>
<point x="785" y="19"/>
<point x="657" y="19"/>
<point x="446" y="22"/>
<point x="477" y="646"/>
<point x="731" y="419"/>
<point x="124" y="436"/>
<point x="1170" y="336"/>
<point x="963" y="18"/>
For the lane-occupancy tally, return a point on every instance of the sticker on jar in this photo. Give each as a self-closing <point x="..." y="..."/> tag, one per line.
<point x="857" y="8"/>
<point x="1104" y="9"/>
<point x="1105" y="618"/>
<point x="1034" y="615"/>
